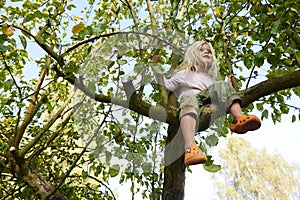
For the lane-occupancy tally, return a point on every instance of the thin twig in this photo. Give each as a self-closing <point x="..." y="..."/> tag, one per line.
<point x="276" y="102"/>
<point x="103" y="185"/>
<point x="122" y="33"/>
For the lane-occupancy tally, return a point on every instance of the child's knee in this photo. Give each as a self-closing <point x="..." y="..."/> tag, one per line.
<point x="188" y="110"/>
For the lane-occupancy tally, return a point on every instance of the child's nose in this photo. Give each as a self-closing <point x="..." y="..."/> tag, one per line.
<point x="206" y="51"/>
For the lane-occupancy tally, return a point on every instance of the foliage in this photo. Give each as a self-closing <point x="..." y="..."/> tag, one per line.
<point x="52" y="133"/>
<point x="250" y="173"/>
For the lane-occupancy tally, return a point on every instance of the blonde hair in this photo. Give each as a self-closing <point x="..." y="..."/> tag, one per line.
<point x="194" y="62"/>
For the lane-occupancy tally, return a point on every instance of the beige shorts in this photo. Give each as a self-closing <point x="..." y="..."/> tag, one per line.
<point x="219" y="93"/>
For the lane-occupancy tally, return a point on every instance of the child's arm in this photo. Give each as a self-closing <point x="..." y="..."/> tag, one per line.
<point x="176" y="80"/>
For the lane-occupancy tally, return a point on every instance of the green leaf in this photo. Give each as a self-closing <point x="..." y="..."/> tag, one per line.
<point x="122" y="62"/>
<point x="276" y="117"/>
<point x="212" y="140"/>
<point x="259" y="59"/>
<point x="3" y="38"/>
<point x="92" y="87"/>
<point x="248" y="62"/>
<point x="138" y="67"/>
<point x="180" y="25"/>
<point x="294" y="118"/>
<point x="265" y="114"/>
<point x="23" y="41"/>
<point x="212" y="168"/>
<point x="260" y="106"/>
<point x="108" y="156"/>
<point x="114" y="170"/>
<point x="3" y="47"/>
<point x="275" y="26"/>
<point x="209" y="166"/>
<point x="272" y="11"/>
<point x="84" y="174"/>
<point x="284" y="109"/>
<point x="157" y="68"/>
<point x="111" y="64"/>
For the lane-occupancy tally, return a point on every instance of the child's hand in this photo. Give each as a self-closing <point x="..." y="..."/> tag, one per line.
<point x="230" y="77"/>
<point x="156" y="58"/>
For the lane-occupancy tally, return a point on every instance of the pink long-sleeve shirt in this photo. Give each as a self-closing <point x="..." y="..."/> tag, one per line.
<point x="188" y="83"/>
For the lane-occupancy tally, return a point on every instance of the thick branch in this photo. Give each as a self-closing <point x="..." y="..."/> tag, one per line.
<point x="57" y="133"/>
<point x="33" y="105"/>
<point x="31" y="111"/>
<point x="170" y="115"/>
<point x="33" y="142"/>
<point x="182" y="10"/>
<point x="274" y="84"/>
<point x="252" y="94"/>
<point x="151" y="13"/>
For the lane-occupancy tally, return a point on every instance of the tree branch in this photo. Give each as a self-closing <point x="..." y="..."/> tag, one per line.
<point x="55" y="134"/>
<point x="88" y="41"/>
<point x="293" y="35"/>
<point x="121" y="33"/>
<point x="43" y="45"/>
<point x="151" y="14"/>
<point x="130" y="10"/>
<point x="33" y="105"/>
<point x="252" y="94"/>
<point x="182" y="10"/>
<point x="27" y="119"/>
<point x="34" y="141"/>
<point x="273" y="84"/>
<point x="19" y="93"/>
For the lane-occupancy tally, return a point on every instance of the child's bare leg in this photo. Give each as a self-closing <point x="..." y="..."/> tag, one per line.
<point x="235" y="110"/>
<point x="193" y="154"/>
<point x="188" y="126"/>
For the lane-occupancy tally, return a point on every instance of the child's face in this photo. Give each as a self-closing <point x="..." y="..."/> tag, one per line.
<point x="206" y="53"/>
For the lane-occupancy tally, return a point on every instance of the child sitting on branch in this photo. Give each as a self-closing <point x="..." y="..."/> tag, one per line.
<point x="194" y="85"/>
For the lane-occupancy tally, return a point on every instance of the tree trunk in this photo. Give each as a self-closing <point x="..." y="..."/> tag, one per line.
<point x="39" y="185"/>
<point x="174" y="173"/>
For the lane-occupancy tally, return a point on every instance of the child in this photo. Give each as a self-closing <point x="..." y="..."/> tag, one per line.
<point x="194" y="85"/>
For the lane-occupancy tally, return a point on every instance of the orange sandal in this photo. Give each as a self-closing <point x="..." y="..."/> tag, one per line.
<point x="194" y="156"/>
<point x="245" y="123"/>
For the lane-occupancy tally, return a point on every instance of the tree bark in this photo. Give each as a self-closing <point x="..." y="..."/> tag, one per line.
<point x="40" y="186"/>
<point x="174" y="173"/>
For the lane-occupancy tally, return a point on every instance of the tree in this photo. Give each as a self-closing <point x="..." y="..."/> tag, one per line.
<point x="250" y="173"/>
<point x="47" y="132"/>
